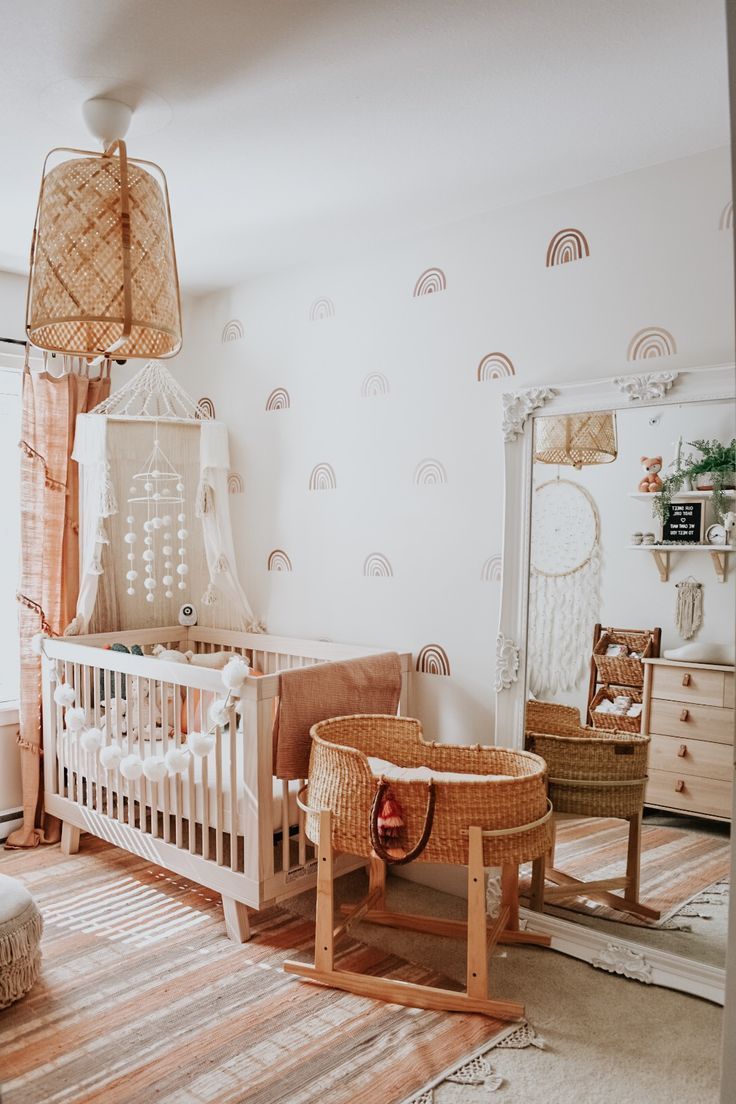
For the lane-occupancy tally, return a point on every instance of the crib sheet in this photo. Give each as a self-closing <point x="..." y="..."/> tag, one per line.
<point x="88" y="766"/>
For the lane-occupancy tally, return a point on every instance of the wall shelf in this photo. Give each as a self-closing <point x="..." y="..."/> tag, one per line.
<point x="661" y="553"/>
<point x="683" y="495"/>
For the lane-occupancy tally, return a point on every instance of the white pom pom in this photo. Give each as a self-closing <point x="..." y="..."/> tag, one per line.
<point x="131" y="767"/>
<point x="201" y="743"/>
<point x="154" y="768"/>
<point x="218" y="713"/>
<point x="64" y="694"/>
<point x="91" y="739"/>
<point x="176" y="760"/>
<point x="110" y="756"/>
<point x="235" y="673"/>
<point x="37" y="643"/>
<point x="75" y="718"/>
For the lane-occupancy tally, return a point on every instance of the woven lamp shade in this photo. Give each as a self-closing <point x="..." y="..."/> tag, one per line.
<point x="103" y="268"/>
<point x="576" y="439"/>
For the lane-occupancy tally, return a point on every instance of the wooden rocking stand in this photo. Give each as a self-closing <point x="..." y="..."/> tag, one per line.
<point x="481" y="937"/>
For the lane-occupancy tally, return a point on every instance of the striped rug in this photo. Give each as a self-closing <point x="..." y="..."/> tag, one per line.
<point x="143" y="998"/>
<point x="676" y="866"/>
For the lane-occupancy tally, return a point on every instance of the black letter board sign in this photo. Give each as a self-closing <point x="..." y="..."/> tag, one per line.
<point x="684" y="523"/>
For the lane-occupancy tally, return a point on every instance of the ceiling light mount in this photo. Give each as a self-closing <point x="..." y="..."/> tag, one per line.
<point x="106" y="118"/>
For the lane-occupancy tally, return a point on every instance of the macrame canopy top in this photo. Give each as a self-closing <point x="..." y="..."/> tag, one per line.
<point x="576" y="439"/>
<point x="152" y="393"/>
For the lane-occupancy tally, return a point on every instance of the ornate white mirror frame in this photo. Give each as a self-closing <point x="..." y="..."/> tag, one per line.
<point x="627" y="957"/>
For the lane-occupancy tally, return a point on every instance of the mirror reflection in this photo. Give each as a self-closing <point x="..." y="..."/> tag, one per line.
<point x="630" y="667"/>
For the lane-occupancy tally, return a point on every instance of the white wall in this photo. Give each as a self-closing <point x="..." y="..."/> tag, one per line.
<point x="657" y="257"/>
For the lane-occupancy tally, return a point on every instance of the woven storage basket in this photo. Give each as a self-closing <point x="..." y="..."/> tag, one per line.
<point x="615" y="722"/>
<point x="591" y="773"/>
<point x="340" y="780"/>
<point x="622" y="670"/>
<point x="552" y="717"/>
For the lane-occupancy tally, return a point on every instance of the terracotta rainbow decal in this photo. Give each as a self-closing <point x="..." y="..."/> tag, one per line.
<point x="491" y="572"/>
<point x="432" y="280"/>
<point x="567" y="245"/>
<point x="205" y="408"/>
<point x="652" y="341"/>
<point x="726" y="220"/>
<point x="279" y="561"/>
<point x="430" y="473"/>
<point x="321" y="308"/>
<point x="235" y="484"/>
<point x="232" y="330"/>
<point x="495" y="366"/>
<point x="432" y="660"/>
<point x="322" y="478"/>
<point x="375" y="384"/>
<point x="377" y="566"/>
<point x="278" y="399"/>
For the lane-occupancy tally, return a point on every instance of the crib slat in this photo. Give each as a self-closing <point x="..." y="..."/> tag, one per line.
<point x="191" y="781"/>
<point x="90" y="757"/>
<point x="110" y="735"/>
<point x="178" y="780"/>
<point x="166" y="784"/>
<point x="232" y="731"/>
<point x="99" y="788"/>
<point x="153" y="699"/>
<point x="205" y="788"/>
<point x="302" y="834"/>
<point x="285" y="818"/>
<point x="219" y="835"/>
<point x="135" y="741"/>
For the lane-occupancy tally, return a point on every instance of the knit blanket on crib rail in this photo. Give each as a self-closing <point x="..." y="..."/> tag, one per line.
<point x="307" y="695"/>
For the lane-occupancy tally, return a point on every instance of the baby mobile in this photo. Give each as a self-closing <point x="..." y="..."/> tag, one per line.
<point x="157" y="494"/>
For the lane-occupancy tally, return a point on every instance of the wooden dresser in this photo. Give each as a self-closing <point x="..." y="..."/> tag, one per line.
<point x="689" y="714"/>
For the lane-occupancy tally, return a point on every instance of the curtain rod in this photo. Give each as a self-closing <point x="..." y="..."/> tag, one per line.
<point x="11" y="341"/>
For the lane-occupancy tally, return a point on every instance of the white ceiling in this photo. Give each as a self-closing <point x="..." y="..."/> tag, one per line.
<point x="299" y="129"/>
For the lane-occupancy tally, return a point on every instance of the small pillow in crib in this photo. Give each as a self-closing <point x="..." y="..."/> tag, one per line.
<point x="171" y="655"/>
<point x="703" y="653"/>
<point x="215" y="660"/>
<point x="382" y="768"/>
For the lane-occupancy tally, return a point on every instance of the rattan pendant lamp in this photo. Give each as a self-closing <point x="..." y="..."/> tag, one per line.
<point x="103" y="278"/>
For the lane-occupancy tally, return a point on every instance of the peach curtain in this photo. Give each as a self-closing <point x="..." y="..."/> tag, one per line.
<point x="49" y="569"/>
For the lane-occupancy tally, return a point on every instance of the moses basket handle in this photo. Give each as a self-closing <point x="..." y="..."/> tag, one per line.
<point x="416" y="851"/>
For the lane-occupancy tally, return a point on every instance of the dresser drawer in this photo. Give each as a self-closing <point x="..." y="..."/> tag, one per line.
<point x="728" y="691"/>
<point x="688" y="684"/>
<point x="691" y="757"/>
<point x="691" y="722"/>
<point x="711" y="796"/>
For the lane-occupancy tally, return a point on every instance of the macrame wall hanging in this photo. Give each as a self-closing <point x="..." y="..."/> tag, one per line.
<point x="689" y="607"/>
<point x="564" y="597"/>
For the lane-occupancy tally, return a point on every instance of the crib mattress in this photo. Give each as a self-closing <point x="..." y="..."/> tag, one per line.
<point x="88" y="767"/>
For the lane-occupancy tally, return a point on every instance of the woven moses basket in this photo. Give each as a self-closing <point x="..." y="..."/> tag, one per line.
<point x="340" y="779"/>
<point x="591" y="772"/>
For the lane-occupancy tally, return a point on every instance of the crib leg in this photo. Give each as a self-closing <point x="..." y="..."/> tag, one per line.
<point x="477" y="962"/>
<point x="377" y="880"/>
<point x="237" y="923"/>
<point x="69" y="838"/>
<point x="324" y="947"/>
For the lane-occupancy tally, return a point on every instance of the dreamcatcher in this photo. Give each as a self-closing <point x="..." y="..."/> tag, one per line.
<point x="564" y="597"/>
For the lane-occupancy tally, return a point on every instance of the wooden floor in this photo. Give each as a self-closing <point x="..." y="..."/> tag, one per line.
<point x="142" y="998"/>
<point x="676" y="864"/>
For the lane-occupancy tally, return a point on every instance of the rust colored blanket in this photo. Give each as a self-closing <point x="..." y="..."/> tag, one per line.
<point x="310" y="694"/>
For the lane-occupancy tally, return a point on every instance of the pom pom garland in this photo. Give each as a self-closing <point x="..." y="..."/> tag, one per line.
<point x="131" y="767"/>
<point x="64" y="694"/>
<point x="75" y="718"/>
<point x="201" y="743"/>
<point x="37" y="643"/>
<point x="235" y="673"/>
<point x="177" y="760"/>
<point x="110" y="756"/>
<point x="90" y="740"/>
<point x="154" y="768"/>
<point x="218" y="712"/>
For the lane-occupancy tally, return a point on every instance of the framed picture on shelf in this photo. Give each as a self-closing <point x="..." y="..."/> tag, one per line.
<point x="685" y="522"/>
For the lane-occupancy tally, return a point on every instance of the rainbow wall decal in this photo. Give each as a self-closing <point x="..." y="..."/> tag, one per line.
<point x="432" y="280"/>
<point x="321" y="308"/>
<point x="652" y="341"/>
<point x="495" y="366"/>
<point x="375" y="384"/>
<point x="232" y="330"/>
<point x="205" y="408"/>
<point x="430" y="473"/>
<point x="235" y="484"/>
<point x="432" y="660"/>
<point x="491" y="571"/>
<point x="322" y="478"/>
<point x="377" y="566"/>
<point x="567" y="245"/>
<point x="726" y="220"/>
<point x="279" y="561"/>
<point x="278" y="399"/>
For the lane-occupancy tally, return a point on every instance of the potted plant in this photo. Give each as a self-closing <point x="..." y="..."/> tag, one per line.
<point x="714" y="470"/>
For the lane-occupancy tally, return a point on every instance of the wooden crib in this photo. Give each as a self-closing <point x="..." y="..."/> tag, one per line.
<point x="226" y="823"/>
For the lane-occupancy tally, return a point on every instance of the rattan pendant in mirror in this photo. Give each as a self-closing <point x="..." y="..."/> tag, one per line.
<point x="103" y="277"/>
<point x="576" y="439"/>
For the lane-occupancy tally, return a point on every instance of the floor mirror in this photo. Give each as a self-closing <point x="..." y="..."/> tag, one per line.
<point x="615" y="647"/>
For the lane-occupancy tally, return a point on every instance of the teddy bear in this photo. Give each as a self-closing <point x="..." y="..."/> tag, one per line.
<point x="651" y="483"/>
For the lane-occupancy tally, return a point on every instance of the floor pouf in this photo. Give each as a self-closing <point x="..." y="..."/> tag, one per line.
<point x="20" y="938"/>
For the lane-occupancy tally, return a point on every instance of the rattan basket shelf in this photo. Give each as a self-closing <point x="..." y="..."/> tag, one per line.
<point x="615" y="722"/>
<point x="622" y="670"/>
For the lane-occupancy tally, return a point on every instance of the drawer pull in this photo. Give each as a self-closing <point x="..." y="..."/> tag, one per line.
<point x="686" y="680"/>
<point x="682" y="751"/>
<point x="684" y="715"/>
<point x="679" y="785"/>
